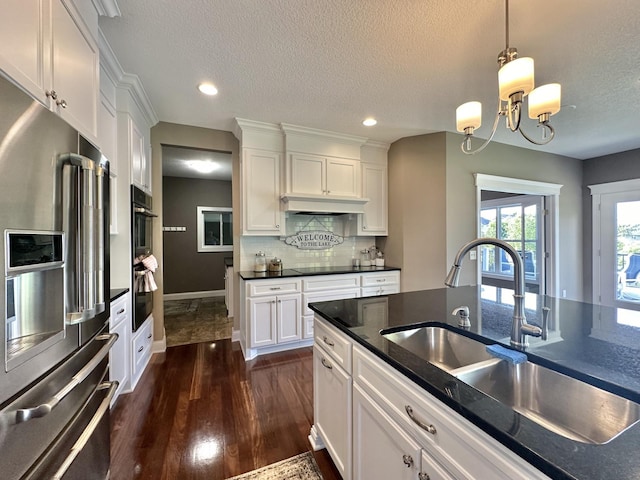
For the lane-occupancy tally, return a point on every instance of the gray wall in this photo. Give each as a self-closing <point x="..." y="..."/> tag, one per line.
<point x="186" y="269"/>
<point x="432" y="205"/>
<point x="610" y="168"/>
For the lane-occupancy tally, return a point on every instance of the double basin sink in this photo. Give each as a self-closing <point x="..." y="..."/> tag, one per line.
<point x="562" y="404"/>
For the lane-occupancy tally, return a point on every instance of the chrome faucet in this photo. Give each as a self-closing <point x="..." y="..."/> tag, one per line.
<point x="519" y="328"/>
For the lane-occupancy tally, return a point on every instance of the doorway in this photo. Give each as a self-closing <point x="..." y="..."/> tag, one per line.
<point x="528" y="211"/>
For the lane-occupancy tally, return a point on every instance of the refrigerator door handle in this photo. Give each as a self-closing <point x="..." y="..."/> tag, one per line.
<point x="26" y="414"/>
<point x="91" y="427"/>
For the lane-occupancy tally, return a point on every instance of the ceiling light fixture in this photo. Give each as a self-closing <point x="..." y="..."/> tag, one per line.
<point x="369" y="122"/>
<point x="208" y="89"/>
<point x="203" y="166"/>
<point x="515" y="81"/>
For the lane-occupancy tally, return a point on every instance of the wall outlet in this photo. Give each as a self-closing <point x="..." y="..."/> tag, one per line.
<point x="564" y="293"/>
<point x="472" y="255"/>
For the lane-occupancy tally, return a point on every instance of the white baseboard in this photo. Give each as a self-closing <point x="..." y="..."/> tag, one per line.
<point x="192" y="295"/>
<point x="235" y="336"/>
<point x="160" y="346"/>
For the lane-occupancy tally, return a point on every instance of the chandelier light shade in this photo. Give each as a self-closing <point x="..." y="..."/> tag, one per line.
<point x="544" y="100"/>
<point x="516" y="76"/>
<point x="515" y="82"/>
<point x="468" y="115"/>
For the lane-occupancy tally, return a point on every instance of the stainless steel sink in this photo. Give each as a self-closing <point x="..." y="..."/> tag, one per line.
<point x="441" y="347"/>
<point x="564" y="405"/>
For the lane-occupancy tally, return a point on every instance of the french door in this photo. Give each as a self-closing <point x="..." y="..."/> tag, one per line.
<point x="616" y="244"/>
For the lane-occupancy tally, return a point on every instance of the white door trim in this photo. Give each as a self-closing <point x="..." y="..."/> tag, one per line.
<point x="552" y="221"/>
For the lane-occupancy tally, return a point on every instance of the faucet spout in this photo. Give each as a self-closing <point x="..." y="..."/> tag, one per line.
<point x="519" y="328"/>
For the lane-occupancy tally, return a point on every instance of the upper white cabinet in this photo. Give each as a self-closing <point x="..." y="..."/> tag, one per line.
<point x="317" y="175"/>
<point x="49" y="51"/>
<point x="261" y="192"/>
<point x="374" y="220"/>
<point x="260" y="177"/>
<point x="140" y="161"/>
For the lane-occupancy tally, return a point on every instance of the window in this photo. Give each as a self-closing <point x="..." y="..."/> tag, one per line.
<point x="215" y="229"/>
<point x="516" y="220"/>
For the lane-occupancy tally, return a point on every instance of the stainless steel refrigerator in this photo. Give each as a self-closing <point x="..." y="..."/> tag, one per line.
<point x="54" y="388"/>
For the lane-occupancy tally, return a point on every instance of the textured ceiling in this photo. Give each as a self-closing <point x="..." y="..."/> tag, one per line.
<point x="330" y="63"/>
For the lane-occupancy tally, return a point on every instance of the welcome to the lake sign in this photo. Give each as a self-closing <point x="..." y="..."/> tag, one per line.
<point x="314" y="240"/>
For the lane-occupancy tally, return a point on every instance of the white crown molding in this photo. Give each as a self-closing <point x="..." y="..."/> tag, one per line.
<point x="107" y="8"/>
<point x="133" y="85"/>
<point x="376" y="144"/>
<point x="289" y="129"/>
<point x="243" y="124"/>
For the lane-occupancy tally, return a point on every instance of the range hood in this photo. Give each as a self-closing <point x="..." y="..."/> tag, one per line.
<point x="322" y="204"/>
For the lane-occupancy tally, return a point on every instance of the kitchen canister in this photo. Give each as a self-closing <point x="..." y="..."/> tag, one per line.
<point x="260" y="263"/>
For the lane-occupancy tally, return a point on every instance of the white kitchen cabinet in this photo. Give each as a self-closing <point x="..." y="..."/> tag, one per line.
<point x="320" y="175"/>
<point x="274" y="320"/>
<point x="49" y="51"/>
<point x="374" y="187"/>
<point x="120" y="323"/>
<point x="382" y="449"/>
<point x="140" y="161"/>
<point x="141" y="346"/>
<point x="332" y="408"/>
<point x="261" y="192"/>
<point x="380" y="283"/>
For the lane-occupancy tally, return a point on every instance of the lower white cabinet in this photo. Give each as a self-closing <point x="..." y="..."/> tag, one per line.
<point x="120" y="323"/>
<point x="383" y="450"/>
<point x="274" y="320"/>
<point x="332" y="408"/>
<point x="141" y="346"/>
<point x="399" y="431"/>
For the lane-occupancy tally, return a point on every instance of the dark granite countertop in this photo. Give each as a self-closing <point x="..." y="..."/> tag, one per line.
<point x="600" y="345"/>
<point x="307" y="271"/>
<point x="116" y="293"/>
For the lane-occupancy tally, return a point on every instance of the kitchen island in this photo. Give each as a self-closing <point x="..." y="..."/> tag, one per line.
<point x="598" y="345"/>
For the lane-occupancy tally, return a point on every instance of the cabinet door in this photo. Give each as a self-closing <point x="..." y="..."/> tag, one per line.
<point x="24" y="53"/>
<point x="289" y="320"/>
<point x="374" y="187"/>
<point x="137" y="152"/>
<point x="332" y="409"/>
<point x="342" y="177"/>
<point x="430" y="469"/>
<point x="75" y="70"/>
<point x="261" y="193"/>
<point x="262" y="319"/>
<point x="381" y="449"/>
<point x="308" y="174"/>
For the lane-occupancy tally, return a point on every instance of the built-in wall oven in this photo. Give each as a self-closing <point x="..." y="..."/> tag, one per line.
<point x="142" y="231"/>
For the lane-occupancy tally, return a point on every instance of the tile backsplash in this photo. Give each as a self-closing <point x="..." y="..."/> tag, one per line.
<point x="292" y="257"/>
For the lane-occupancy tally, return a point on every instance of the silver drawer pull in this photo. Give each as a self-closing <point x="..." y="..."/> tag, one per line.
<point x="149" y="336"/>
<point x="407" y="460"/>
<point x="429" y="428"/>
<point x="88" y="432"/>
<point x="120" y="311"/>
<point x="326" y="364"/>
<point x="275" y="288"/>
<point x="327" y="341"/>
<point x="381" y="280"/>
<point x="141" y="349"/>
<point x="26" y="414"/>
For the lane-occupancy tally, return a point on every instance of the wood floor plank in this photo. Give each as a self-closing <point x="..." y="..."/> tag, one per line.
<point x="201" y="412"/>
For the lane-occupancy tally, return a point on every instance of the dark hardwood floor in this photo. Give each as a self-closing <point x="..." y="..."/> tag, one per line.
<point x="201" y="412"/>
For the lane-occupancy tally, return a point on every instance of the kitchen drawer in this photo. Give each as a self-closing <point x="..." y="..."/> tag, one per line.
<point x="334" y="343"/>
<point x="119" y="310"/>
<point x="467" y="451"/>
<point x="330" y="282"/>
<point x="380" y="290"/>
<point x="382" y="278"/>
<point x="268" y="287"/>
<point x="308" y="298"/>
<point x="142" y="345"/>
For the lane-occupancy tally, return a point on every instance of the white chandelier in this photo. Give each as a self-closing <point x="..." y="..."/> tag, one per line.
<point x="515" y="80"/>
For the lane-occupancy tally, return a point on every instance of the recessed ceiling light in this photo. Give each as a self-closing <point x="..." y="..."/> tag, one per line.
<point x="369" y="122"/>
<point x="203" y="166"/>
<point x="208" y="89"/>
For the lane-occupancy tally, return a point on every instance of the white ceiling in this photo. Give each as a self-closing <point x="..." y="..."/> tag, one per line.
<point x="328" y="64"/>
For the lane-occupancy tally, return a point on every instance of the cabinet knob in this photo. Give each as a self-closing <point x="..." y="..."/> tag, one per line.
<point x="61" y="103"/>
<point x="277" y="226"/>
<point x="407" y="460"/>
<point x="364" y="227"/>
<point x="423" y="476"/>
<point x="51" y="94"/>
<point x="149" y="336"/>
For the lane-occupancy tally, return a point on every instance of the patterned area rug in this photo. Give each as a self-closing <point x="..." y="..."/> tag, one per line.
<point x="300" y="467"/>
<point x="196" y="320"/>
